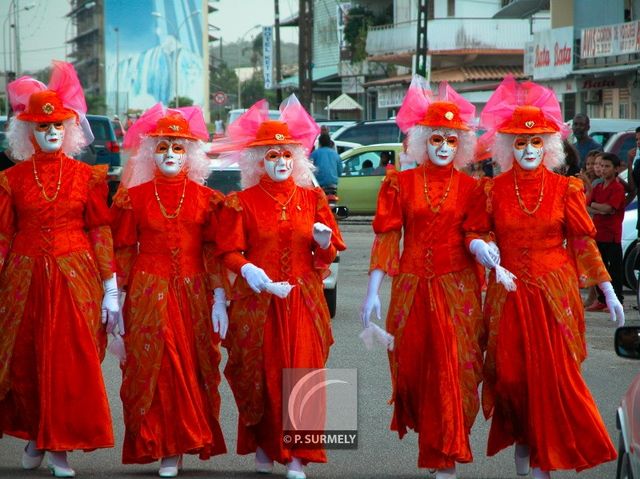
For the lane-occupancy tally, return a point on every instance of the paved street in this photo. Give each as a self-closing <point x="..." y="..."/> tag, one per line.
<point x="380" y="453"/>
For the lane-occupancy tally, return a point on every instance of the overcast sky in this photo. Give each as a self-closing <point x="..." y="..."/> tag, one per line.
<point x="44" y="26"/>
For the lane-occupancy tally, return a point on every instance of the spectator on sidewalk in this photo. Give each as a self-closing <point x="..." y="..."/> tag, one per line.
<point x="607" y="203"/>
<point x="328" y="165"/>
<point x="584" y="143"/>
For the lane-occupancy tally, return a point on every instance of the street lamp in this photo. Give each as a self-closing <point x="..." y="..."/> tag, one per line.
<point x="117" y="30"/>
<point x="177" y="37"/>
<point x="242" y="54"/>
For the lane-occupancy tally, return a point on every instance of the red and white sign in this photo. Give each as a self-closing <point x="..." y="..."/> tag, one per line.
<point x="551" y="53"/>
<point x="220" y="97"/>
<point x="610" y="40"/>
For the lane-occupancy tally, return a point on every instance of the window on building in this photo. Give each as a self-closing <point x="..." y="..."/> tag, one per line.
<point x="431" y="10"/>
<point x="451" y="8"/>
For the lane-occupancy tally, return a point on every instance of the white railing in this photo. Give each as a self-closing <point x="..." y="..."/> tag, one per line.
<point x="451" y="34"/>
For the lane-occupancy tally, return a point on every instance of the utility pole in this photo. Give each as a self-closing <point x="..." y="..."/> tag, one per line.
<point x="421" y="45"/>
<point x="305" y="52"/>
<point x="16" y="31"/>
<point x="278" y="59"/>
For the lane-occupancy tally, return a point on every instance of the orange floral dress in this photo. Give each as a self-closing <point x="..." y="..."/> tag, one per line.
<point x="533" y="389"/>
<point x="169" y="269"/>
<point x="53" y="256"/>
<point x="266" y="333"/>
<point x="435" y="312"/>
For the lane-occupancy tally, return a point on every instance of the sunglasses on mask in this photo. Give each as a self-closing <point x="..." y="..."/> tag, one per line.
<point x="438" y="140"/>
<point x="163" y="147"/>
<point x="521" y="143"/>
<point x="275" y="155"/>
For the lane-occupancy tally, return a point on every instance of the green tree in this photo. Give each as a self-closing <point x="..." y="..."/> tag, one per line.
<point x="182" y="100"/>
<point x="96" y="105"/>
<point x="222" y="78"/>
<point x="357" y="25"/>
<point x="253" y="90"/>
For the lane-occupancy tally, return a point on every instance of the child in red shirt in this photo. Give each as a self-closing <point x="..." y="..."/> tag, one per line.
<point x="606" y="204"/>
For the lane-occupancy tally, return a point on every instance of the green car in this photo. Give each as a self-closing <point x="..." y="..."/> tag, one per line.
<point x="363" y="169"/>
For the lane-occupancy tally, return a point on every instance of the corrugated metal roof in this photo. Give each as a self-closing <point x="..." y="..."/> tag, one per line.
<point x="474" y="73"/>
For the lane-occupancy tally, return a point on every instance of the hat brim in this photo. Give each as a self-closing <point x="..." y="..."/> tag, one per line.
<point x="58" y="115"/>
<point x="287" y="141"/>
<point x="186" y="136"/>
<point x="450" y="125"/>
<point x="518" y="130"/>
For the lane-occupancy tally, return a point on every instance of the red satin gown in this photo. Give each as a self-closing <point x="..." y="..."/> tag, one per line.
<point x="169" y="268"/>
<point x="533" y="389"/>
<point x="435" y="314"/>
<point x="266" y="333"/>
<point x="54" y="256"/>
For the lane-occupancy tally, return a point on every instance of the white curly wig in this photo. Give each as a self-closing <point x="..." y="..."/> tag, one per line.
<point x="418" y="137"/>
<point x="142" y="167"/>
<point x="20" y="135"/>
<point x="252" y="166"/>
<point x="502" y="150"/>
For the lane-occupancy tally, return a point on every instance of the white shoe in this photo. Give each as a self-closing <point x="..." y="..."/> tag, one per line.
<point x="538" y="474"/>
<point x="296" y="475"/>
<point x="263" y="467"/>
<point x="59" y="471"/>
<point x="446" y="473"/>
<point x="31" y="462"/>
<point x="521" y="457"/>
<point x="169" y="466"/>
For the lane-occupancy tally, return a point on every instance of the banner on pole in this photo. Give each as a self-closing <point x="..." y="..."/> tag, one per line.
<point x="267" y="56"/>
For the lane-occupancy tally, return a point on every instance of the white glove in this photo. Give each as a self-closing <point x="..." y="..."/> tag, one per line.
<point x="322" y="235"/>
<point x="219" y="313"/>
<point x="613" y="303"/>
<point x="372" y="300"/>
<point x="485" y="255"/>
<point x="110" y="303"/>
<point x="256" y="277"/>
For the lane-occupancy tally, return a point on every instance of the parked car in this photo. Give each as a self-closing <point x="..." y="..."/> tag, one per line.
<point x="620" y="143"/>
<point x="362" y="175"/>
<point x="227" y="179"/>
<point x="105" y="149"/>
<point x="334" y="125"/>
<point x="627" y="345"/>
<point x="370" y="132"/>
<point x="234" y="114"/>
<point x="3" y="134"/>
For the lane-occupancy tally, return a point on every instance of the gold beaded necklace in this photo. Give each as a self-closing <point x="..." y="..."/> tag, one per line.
<point x="41" y="186"/>
<point x="521" y="203"/>
<point x="436" y="209"/>
<point x="163" y="210"/>
<point x="283" y="206"/>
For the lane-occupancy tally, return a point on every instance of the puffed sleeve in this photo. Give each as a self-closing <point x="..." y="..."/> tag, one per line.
<point x="97" y="219"/>
<point x="7" y="218"/>
<point x="125" y="235"/>
<point x="212" y="261"/>
<point x="387" y="225"/>
<point x="231" y="240"/>
<point x="322" y="258"/>
<point x="581" y="233"/>
<point x="478" y="223"/>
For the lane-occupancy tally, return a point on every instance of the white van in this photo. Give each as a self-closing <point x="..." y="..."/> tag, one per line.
<point x="234" y="114"/>
<point x="601" y="129"/>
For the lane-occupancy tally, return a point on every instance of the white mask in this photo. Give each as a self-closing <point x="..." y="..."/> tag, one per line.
<point x="442" y="146"/>
<point x="49" y="136"/>
<point x="528" y="151"/>
<point x="170" y="157"/>
<point x="278" y="163"/>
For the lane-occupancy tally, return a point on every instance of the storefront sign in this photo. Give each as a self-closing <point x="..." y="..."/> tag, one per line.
<point x="600" y="83"/>
<point x="610" y="40"/>
<point x="267" y="56"/>
<point x="551" y="53"/>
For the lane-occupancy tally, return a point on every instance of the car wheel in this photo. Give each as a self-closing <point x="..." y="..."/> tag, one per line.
<point x="330" y="296"/>
<point x="623" y="470"/>
<point x="630" y="271"/>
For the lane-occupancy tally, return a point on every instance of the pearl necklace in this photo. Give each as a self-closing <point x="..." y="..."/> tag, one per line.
<point x="436" y="209"/>
<point x="283" y="206"/>
<point x="163" y="210"/>
<point x="521" y="203"/>
<point x="41" y="186"/>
